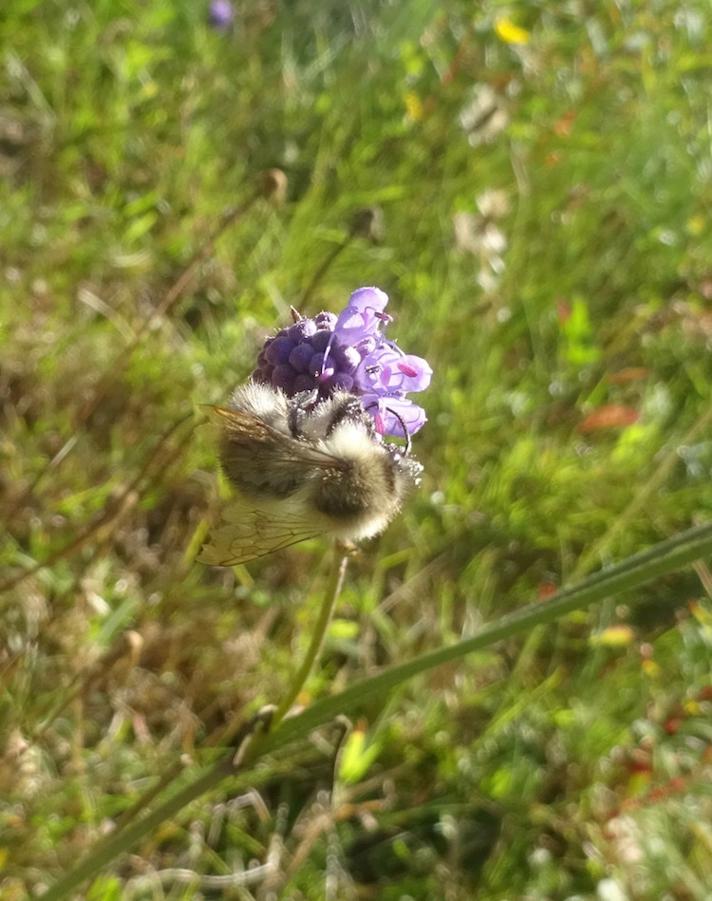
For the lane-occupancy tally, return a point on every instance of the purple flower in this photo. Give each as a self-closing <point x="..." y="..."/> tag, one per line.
<point x="363" y="316"/>
<point x="350" y="353"/>
<point x="387" y="369"/>
<point x="391" y="413"/>
<point x="220" y="14"/>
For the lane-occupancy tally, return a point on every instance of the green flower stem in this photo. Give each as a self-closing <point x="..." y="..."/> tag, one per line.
<point x="636" y="571"/>
<point x="317" y="639"/>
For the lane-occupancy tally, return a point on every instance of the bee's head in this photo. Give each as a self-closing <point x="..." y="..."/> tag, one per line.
<point x="318" y="419"/>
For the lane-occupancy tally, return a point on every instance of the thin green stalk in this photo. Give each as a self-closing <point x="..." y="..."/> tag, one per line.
<point x="636" y="571"/>
<point x="317" y="639"/>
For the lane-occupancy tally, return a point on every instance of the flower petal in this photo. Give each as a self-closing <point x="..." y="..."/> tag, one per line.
<point x="363" y="315"/>
<point x="392" y="413"/>
<point x="368" y="299"/>
<point x="411" y="374"/>
<point x="352" y="324"/>
<point x="387" y="369"/>
<point x="374" y="371"/>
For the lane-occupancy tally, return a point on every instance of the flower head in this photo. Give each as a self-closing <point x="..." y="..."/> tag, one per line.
<point x="349" y="352"/>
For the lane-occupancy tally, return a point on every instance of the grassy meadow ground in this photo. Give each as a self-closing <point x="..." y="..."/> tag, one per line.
<point x="540" y="179"/>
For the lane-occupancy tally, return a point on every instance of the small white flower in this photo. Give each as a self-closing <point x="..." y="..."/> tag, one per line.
<point x="493" y="203"/>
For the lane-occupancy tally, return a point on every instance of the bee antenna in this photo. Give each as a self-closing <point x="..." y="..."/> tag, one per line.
<point x="406" y="433"/>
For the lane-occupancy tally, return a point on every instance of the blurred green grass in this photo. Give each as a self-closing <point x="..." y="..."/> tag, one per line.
<point x="568" y="320"/>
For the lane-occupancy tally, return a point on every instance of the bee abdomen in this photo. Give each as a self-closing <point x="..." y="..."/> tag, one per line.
<point x="355" y="490"/>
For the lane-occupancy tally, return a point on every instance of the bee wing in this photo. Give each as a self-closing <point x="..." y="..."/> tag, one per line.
<point x="242" y="428"/>
<point x="248" y="531"/>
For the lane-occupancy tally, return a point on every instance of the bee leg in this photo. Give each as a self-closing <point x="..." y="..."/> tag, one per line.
<point x="260" y="722"/>
<point x="299" y="407"/>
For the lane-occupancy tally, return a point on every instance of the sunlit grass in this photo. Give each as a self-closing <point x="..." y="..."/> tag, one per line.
<point x="126" y="131"/>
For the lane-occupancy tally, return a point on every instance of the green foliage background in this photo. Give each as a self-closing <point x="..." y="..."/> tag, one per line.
<point x="570" y="417"/>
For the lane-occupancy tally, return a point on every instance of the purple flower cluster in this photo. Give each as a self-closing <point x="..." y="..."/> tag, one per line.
<point x="349" y="352"/>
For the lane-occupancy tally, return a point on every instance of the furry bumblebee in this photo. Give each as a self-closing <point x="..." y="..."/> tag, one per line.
<point x="303" y="468"/>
